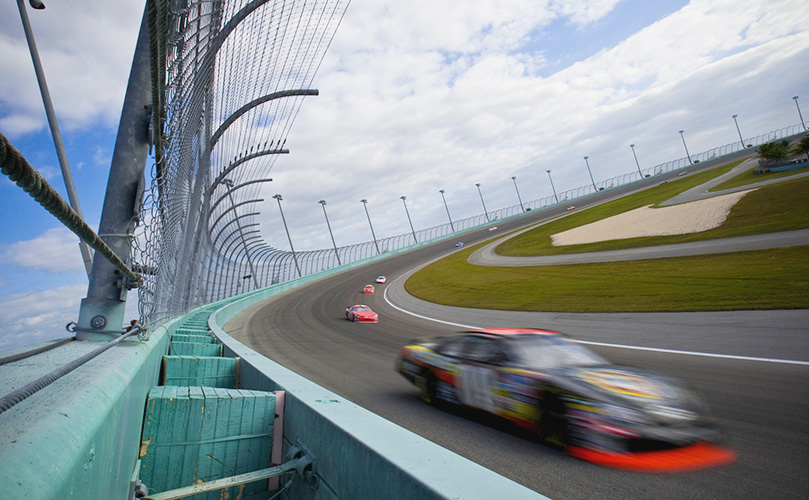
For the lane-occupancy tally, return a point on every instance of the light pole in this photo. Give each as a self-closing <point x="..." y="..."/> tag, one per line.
<point x="294" y="257"/>
<point x="554" y="189"/>
<point x="514" y="178"/>
<point x="447" y="209"/>
<point x="61" y="155"/>
<point x="686" y="148"/>
<point x="408" y="219"/>
<point x="365" y="204"/>
<point x="229" y="184"/>
<point x="323" y="204"/>
<point x="636" y="160"/>
<point x="590" y="172"/>
<point x="483" y="202"/>
<point x="741" y="139"/>
<point x="795" y="98"/>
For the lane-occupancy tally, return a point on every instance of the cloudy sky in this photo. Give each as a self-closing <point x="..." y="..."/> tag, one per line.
<point x="414" y="97"/>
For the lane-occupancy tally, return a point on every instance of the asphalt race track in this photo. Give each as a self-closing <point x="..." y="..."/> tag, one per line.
<point x="751" y="367"/>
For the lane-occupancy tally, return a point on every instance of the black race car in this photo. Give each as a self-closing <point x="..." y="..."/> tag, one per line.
<point x="569" y="396"/>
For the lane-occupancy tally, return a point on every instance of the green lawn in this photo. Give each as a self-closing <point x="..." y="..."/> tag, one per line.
<point x="750" y="177"/>
<point x="767" y="279"/>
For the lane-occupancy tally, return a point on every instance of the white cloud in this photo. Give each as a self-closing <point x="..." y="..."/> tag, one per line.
<point x="33" y="317"/>
<point x="102" y="157"/>
<point x="419" y="101"/>
<point x="437" y="94"/>
<point x="55" y="250"/>
<point x="583" y="13"/>
<point x="86" y="53"/>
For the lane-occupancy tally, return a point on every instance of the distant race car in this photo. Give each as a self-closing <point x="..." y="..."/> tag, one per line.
<point x="381" y="279"/>
<point x="568" y="397"/>
<point x="493" y="228"/>
<point x="368" y="289"/>
<point x="459" y="244"/>
<point x="361" y="313"/>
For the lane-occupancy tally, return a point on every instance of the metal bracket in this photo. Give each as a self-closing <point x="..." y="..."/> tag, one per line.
<point x="305" y="465"/>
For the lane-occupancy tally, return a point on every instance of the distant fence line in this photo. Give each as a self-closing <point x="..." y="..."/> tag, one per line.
<point x="228" y="80"/>
<point x="276" y="266"/>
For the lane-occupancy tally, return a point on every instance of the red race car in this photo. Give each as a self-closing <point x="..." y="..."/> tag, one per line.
<point x="361" y="314"/>
<point x="368" y="289"/>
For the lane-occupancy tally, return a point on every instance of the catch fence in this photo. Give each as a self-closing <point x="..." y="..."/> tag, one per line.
<point x="229" y="77"/>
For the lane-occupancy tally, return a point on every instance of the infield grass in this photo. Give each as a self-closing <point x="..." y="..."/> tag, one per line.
<point x="766" y="279"/>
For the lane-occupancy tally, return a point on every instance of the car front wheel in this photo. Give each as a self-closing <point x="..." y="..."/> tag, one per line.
<point x="426" y="384"/>
<point x="553" y="423"/>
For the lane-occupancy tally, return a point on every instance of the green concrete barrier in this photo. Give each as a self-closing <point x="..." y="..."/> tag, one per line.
<point x="357" y="453"/>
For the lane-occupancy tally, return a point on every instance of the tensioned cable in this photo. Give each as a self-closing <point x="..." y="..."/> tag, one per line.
<point x="15" y="397"/>
<point x="15" y="166"/>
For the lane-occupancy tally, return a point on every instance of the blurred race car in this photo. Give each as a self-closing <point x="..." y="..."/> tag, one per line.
<point x="568" y="397"/>
<point x="459" y="244"/>
<point x="381" y="279"/>
<point x="361" y="313"/>
<point x="368" y="289"/>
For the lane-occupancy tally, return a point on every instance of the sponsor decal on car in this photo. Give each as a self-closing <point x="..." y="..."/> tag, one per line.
<point x="624" y="383"/>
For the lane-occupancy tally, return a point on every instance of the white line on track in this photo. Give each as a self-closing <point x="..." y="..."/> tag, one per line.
<point x="616" y="346"/>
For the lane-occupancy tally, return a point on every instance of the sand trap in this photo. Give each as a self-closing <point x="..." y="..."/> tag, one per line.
<point x="691" y="217"/>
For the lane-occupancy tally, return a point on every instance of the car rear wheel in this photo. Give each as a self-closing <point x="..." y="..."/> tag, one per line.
<point x="553" y="423"/>
<point x="426" y="384"/>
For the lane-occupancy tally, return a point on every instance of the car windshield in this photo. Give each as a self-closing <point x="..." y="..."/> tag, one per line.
<point x="362" y="308"/>
<point x="543" y="352"/>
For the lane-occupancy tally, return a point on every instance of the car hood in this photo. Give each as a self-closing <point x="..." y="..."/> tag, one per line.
<point x="624" y="385"/>
<point x="364" y="313"/>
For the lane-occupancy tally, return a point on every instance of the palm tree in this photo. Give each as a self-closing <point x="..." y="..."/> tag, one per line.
<point x="774" y="150"/>
<point x="803" y="146"/>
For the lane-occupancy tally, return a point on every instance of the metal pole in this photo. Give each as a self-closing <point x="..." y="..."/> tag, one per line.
<point x="103" y="308"/>
<point x="447" y="209"/>
<point x="590" y="172"/>
<point x="229" y="184"/>
<point x="552" y="187"/>
<point x="741" y="139"/>
<point x="294" y="257"/>
<point x="323" y="203"/>
<point x="686" y="148"/>
<point x="365" y="204"/>
<point x="636" y="160"/>
<point x="486" y="213"/>
<point x="408" y="219"/>
<point x="795" y="98"/>
<point x="514" y="178"/>
<point x="73" y="197"/>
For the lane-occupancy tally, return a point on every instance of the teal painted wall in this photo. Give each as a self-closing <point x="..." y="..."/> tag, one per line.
<point x="79" y="437"/>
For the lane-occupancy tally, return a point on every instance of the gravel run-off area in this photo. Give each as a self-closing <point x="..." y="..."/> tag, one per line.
<point x="685" y="218"/>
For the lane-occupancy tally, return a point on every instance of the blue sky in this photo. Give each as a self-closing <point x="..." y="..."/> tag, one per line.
<point x="414" y="97"/>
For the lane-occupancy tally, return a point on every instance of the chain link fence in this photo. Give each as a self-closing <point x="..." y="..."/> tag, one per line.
<point x="231" y="77"/>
